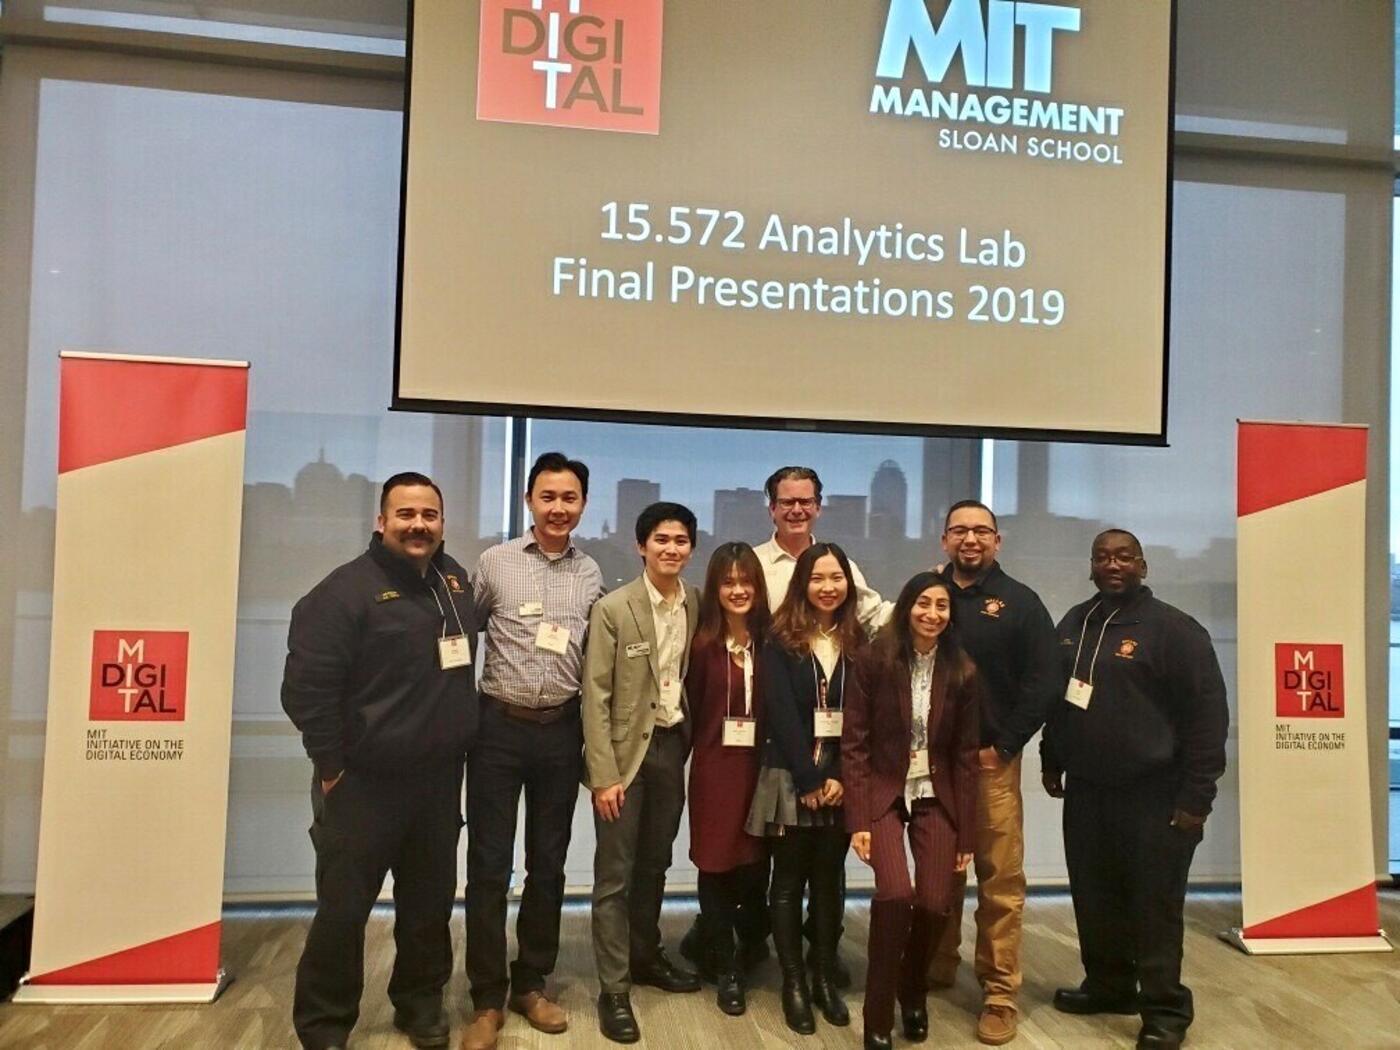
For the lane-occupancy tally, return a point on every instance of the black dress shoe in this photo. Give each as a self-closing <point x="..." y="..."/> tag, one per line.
<point x="1155" y="1037"/>
<point x="615" y="1018"/>
<point x="729" y="994"/>
<point x="797" y="1007"/>
<point x="425" y="1031"/>
<point x="827" y="996"/>
<point x="878" y="1041"/>
<point x="662" y="973"/>
<point x="915" y="1023"/>
<point x="1078" y="1001"/>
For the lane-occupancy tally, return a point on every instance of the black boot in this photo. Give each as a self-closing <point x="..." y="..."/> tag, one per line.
<point x="878" y="1041"/>
<point x="826" y="995"/>
<point x="723" y="960"/>
<point x="787" y="939"/>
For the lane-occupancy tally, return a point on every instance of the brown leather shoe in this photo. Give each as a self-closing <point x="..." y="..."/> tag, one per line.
<point x="481" y="1033"/>
<point x="543" y="1015"/>
<point x="997" y="1025"/>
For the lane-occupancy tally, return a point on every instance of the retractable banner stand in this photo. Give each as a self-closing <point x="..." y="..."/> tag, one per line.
<point x="136" y="759"/>
<point x="1305" y="805"/>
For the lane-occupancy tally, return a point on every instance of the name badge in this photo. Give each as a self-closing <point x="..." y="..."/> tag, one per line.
<point x="552" y="637"/>
<point x="454" y="652"/>
<point x="637" y="649"/>
<point x="918" y="764"/>
<point x="740" y="732"/>
<point x="532" y="608"/>
<point x="827" y="724"/>
<point x="1078" y="693"/>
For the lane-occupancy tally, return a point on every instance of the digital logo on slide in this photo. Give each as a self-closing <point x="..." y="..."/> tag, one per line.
<point x="571" y="63"/>
<point x="139" y="676"/>
<point x="1308" y="681"/>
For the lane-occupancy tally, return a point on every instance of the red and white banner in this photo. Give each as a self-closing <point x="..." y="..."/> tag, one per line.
<point x="1305" y="803"/>
<point x="136" y="757"/>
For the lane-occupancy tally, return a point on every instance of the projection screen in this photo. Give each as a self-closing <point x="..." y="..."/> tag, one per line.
<point x="914" y="216"/>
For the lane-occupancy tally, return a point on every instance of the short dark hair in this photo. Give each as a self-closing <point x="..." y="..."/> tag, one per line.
<point x="654" y="515"/>
<point x="555" y="463"/>
<point x="402" y="480"/>
<point x="1137" y="543"/>
<point x="770" y="487"/>
<point x="963" y="504"/>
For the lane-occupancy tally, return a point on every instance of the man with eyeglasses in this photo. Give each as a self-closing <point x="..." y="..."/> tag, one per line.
<point x="1004" y="627"/>
<point x="1140" y="732"/>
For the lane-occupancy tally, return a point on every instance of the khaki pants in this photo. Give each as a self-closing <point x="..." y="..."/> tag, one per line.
<point x="1001" y="891"/>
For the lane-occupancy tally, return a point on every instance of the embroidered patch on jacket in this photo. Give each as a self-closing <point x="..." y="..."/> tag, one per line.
<point x="387" y="596"/>
<point x="1126" y="648"/>
<point x="453" y="584"/>
<point x="992" y="607"/>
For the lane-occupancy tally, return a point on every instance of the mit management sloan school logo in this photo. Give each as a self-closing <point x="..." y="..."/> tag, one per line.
<point x="138" y="676"/>
<point x="571" y="63"/>
<point x="1308" y="681"/>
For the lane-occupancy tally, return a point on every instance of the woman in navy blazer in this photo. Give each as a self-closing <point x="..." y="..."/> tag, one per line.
<point x="909" y="755"/>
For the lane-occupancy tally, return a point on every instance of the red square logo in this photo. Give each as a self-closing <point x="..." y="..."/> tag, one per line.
<point x="1308" y="681"/>
<point x="571" y="64"/>
<point x="139" y="676"/>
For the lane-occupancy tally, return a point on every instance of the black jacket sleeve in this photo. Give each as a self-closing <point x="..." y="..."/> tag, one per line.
<point x="320" y="652"/>
<point x="784" y="711"/>
<point x="1204" y="716"/>
<point x="1040" y="662"/>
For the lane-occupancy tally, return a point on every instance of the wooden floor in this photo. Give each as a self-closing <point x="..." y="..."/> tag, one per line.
<point x="1320" y="1002"/>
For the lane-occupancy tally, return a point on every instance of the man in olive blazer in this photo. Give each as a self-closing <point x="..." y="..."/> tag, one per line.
<point x="636" y="731"/>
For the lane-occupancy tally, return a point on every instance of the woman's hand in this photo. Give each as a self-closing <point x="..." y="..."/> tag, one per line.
<point x="961" y="861"/>
<point x="813" y="799"/>
<point x="860" y="842"/>
<point x="832" y="793"/>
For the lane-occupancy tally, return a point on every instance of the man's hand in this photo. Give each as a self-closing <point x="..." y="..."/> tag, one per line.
<point x="608" y="802"/>
<point x="860" y="842"/>
<point x="989" y="758"/>
<point x="1054" y="783"/>
<point x="961" y="861"/>
<point x="832" y="793"/>
<point x="1183" y="821"/>
<point x="326" y="785"/>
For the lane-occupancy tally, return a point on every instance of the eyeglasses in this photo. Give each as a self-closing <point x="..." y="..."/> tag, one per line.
<point x="958" y="532"/>
<point x="1127" y="559"/>
<point x="789" y="502"/>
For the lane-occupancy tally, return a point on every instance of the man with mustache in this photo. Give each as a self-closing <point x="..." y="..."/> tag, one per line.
<point x="532" y="595"/>
<point x="379" y="680"/>
<point x="1140" y="732"/>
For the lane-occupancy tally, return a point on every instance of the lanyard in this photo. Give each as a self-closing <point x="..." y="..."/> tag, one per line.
<point x="1082" y="631"/>
<point x="747" y="652"/>
<point x="817" y="680"/>
<point x="443" y="612"/>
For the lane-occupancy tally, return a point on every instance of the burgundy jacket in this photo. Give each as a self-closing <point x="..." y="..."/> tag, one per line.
<point x="875" y="743"/>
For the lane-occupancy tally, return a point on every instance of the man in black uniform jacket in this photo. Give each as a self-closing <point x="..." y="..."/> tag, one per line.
<point x="1141" y="734"/>
<point x="379" y="681"/>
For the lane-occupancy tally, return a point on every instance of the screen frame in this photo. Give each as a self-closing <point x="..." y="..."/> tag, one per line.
<point x="1157" y="439"/>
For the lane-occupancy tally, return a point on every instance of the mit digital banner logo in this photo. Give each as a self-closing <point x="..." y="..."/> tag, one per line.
<point x="139" y="676"/>
<point x="571" y="63"/>
<point x="1308" y="681"/>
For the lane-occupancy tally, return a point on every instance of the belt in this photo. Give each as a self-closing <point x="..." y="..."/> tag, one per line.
<point x="542" y="716"/>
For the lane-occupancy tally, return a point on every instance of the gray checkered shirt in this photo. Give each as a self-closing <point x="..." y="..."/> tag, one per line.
<point x="510" y="576"/>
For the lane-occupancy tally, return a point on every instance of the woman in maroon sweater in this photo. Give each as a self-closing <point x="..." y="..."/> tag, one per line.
<point x="909" y="751"/>
<point x="725" y="709"/>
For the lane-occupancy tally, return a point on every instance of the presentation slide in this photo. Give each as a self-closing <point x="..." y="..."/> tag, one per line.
<point x="916" y="216"/>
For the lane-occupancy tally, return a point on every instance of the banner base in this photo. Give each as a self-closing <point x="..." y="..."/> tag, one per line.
<point x="118" y="994"/>
<point x="1305" y="945"/>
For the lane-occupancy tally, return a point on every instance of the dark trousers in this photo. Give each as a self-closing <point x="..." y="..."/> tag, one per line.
<point x="545" y="762"/>
<point x="734" y="901"/>
<point x="407" y="823"/>
<point x="812" y="859"/>
<point x="905" y="916"/>
<point x="1127" y="876"/>
<point x="630" y="864"/>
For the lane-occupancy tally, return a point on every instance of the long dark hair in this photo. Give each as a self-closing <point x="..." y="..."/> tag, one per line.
<point x="893" y="648"/>
<point x="794" y="623"/>
<point x="737" y="558"/>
